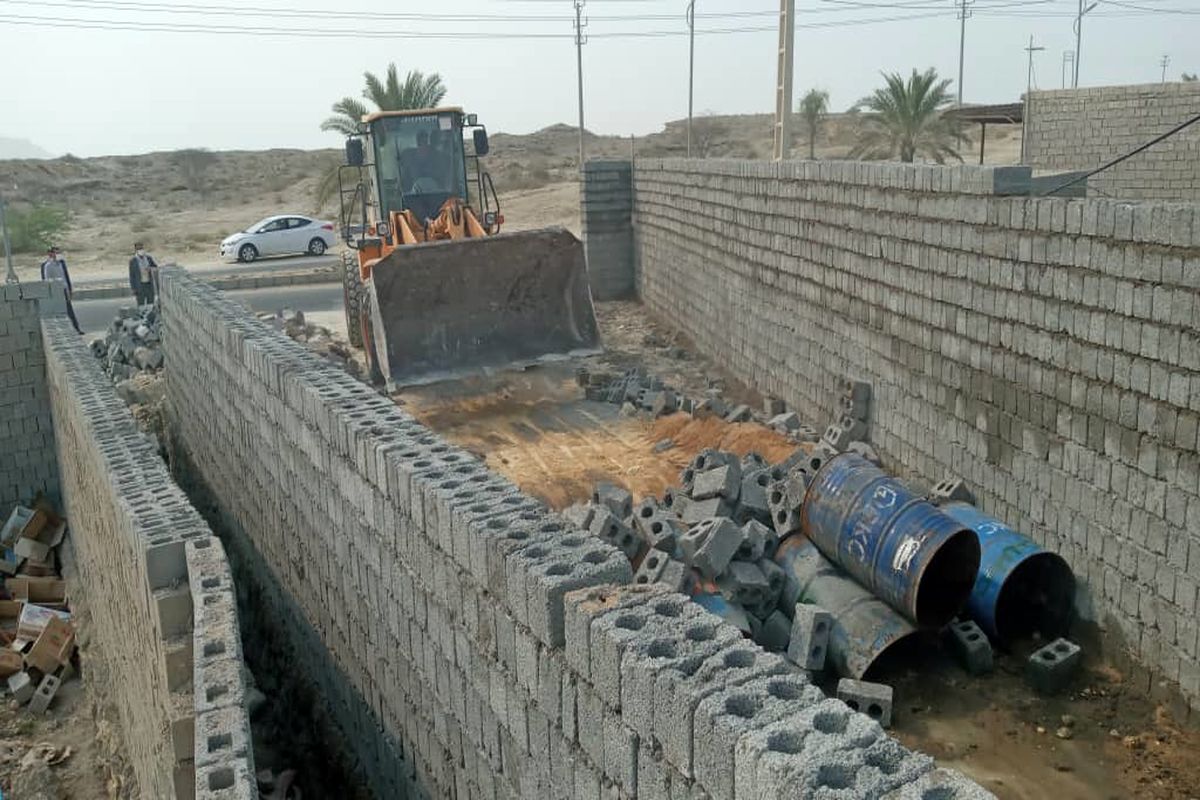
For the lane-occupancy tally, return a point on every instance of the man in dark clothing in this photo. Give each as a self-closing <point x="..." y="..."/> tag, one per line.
<point x="54" y="268"/>
<point x="141" y="279"/>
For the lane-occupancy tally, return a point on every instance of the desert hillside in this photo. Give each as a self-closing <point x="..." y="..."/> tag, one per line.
<point x="182" y="204"/>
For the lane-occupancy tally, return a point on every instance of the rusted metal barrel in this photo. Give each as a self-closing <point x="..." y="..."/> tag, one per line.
<point x="1020" y="588"/>
<point x="891" y="539"/>
<point x="864" y="627"/>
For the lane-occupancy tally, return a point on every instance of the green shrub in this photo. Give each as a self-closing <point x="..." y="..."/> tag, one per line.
<point x="34" y="229"/>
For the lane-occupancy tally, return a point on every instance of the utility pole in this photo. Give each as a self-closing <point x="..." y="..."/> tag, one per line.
<point x="1079" y="39"/>
<point x="580" y="41"/>
<point x="1164" y="63"/>
<point x="783" y="85"/>
<point x="691" y="18"/>
<point x="963" y="13"/>
<point x="11" y="275"/>
<point x="1028" y="88"/>
<point x="1068" y="61"/>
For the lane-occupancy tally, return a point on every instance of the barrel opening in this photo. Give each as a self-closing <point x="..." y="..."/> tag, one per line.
<point x="897" y="657"/>
<point x="948" y="579"/>
<point x="1038" y="597"/>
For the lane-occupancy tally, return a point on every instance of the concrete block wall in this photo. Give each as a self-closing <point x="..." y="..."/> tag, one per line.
<point x="26" y="433"/>
<point x="1044" y="349"/>
<point x="1079" y="129"/>
<point x="468" y="642"/>
<point x="157" y="585"/>
<point x="605" y="207"/>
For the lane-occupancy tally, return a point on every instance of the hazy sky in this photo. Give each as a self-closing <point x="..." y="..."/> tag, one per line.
<point x="77" y="79"/>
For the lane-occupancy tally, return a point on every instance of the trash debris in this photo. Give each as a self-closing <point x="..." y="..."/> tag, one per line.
<point x="316" y="338"/>
<point x="35" y="620"/>
<point x="132" y="344"/>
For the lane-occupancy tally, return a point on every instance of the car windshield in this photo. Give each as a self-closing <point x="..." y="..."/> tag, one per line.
<point x="420" y="162"/>
<point x="259" y="224"/>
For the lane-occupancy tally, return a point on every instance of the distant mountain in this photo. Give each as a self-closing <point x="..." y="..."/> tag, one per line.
<point x="21" y="148"/>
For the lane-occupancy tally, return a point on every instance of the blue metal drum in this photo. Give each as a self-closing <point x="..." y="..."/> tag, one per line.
<point x="1021" y="588"/>
<point x="891" y="539"/>
<point x="864" y="627"/>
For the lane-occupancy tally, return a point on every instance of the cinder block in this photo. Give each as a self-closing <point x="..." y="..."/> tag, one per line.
<point x="1050" y="668"/>
<point x="722" y="481"/>
<point x="709" y="545"/>
<point x="775" y="632"/>
<point x="971" y="645"/>
<point x="809" y="642"/>
<point x="941" y="782"/>
<point x="872" y="699"/>
<point x="44" y="694"/>
<point x="743" y="583"/>
<point x="617" y="499"/>
<point x="21" y="687"/>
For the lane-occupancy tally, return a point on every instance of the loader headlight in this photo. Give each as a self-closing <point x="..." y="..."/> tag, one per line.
<point x="382" y="229"/>
<point x="489" y="219"/>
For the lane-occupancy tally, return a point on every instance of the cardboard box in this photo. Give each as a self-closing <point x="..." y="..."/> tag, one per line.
<point x="53" y="647"/>
<point x="16" y="523"/>
<point x="11" y="663"/>
<point x="34" y="619"/>
<point x="43" y="591"/>
<point x="32" y="549"/>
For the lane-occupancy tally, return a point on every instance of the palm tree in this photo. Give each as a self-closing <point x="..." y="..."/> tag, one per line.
<point x="904" y="120"/>
<point x="418" y="90"/>
<point x="813" y="107"/>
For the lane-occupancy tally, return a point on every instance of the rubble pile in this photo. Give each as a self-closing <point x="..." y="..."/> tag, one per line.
<point x="132" y="345"/>
<point x="720" y="536"/>
<point x="37" y="637"/>
<point x="316" y="338"/>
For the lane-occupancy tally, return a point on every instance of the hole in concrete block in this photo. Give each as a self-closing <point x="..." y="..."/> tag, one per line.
<point x="1061" y="647"/>
<point x="835" y="776"/>
<point x="661" y="648"/>
<point x="740" y="659"/>
<point x="787" y="742"/>
<point x="213" y="649"/>
<point x="651" y="562"/>
<point x="973" y="637"/>
<point x="595" y="557"/>
<point x="656" y="527"/>
<point x="784" y="690"/>
<point x="776" y="498"/>
<point x="479" y="508"/>
<point x="699" y="536"/>
<point x="833" y="722"/>
<point x="781" y="517"/>
<point x="210" y="583"/>
<point x="203" y="544"/>
<point x="535" y="552"/>
<point x="874" y="710"/>
<point x="571" y="541"/>
<point x="817" y="653"/>
<point x="220" y="779"/>
<point x="219" y="742"/>
<point x="517" y="536"/>
<point x="626" y="540"/>
<point x="558" y="569"/>
<point x="210" y="600"/>
<point x="940" y="793"/>
<point x="629" y="622"/>
<point x="211" y="693"/>
<point x="668" y="608"/>
<point x="1048" y="656"/>
<point x="646" y="512"/>
<point x="423" y="463"/>
<point x="742" y="705"/>
<point x="641" y="579"/>
<point x="886" y="762"/>
<point x="701" y="633"/>
<point x="612" y="530"/>
<point x="762" y="480"/>
<point x="496" y="524"/>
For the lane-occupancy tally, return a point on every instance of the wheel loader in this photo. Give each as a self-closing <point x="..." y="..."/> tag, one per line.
<point x="433" y="289"/>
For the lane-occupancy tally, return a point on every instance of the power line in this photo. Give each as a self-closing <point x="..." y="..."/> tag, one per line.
<point x="81" y="23"/>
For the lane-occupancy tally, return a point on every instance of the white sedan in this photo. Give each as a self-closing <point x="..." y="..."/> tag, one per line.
<point x="282" y="234"/>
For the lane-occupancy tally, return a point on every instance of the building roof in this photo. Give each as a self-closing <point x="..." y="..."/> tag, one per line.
<point x="1002" y="113"/>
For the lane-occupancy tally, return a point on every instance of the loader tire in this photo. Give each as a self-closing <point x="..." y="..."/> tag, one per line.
<point x="354" y="298"/>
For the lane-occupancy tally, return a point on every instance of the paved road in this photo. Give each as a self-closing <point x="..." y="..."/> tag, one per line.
<point x="216" y="269"/>
<point x="321" y="303"/>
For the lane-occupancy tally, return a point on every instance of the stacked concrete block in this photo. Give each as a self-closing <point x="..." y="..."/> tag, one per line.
<point x="1080" y="129"/>
<point x="158" y="585"/>
<point x="27" y="464"/>
<point x="606" y="207"/>
<point x="1043" y="349"/>
<point x="467" y="641"/>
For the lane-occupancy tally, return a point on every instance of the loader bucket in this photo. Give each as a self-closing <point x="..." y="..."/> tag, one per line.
<point x="443" y="308"/>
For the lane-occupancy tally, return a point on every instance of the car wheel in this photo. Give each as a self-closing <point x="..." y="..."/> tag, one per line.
<point x="316" y="247"/>
<point x="247" y="253"/>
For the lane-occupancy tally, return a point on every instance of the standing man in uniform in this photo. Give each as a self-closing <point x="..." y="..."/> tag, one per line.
<point x="54" y="268"/>
<point x="141" y="279"/>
